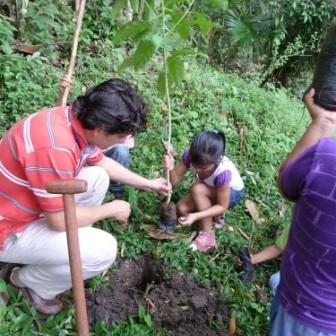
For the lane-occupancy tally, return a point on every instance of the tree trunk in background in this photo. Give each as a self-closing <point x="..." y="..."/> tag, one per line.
<point x="129" y="11"/>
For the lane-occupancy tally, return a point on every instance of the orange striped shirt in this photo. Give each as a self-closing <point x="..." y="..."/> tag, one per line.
<point x="47" y="145"/>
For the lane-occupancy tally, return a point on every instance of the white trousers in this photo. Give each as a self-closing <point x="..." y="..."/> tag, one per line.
<point x="44" y="252"/>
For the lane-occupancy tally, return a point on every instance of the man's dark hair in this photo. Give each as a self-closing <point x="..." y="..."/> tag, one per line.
<point x="113" y="105"/>
<point x="207" y="147"/>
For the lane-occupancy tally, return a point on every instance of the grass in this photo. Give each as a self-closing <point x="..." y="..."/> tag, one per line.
<point x="261" y="126"/>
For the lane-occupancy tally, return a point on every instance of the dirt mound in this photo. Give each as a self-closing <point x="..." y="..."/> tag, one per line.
<point x="177" y="303"/>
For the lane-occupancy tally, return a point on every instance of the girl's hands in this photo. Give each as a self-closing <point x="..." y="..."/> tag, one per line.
<point x="188" y="219"/>
<point x="168" y="162"/>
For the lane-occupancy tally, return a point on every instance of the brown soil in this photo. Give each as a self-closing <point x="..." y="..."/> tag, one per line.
<point x="176" y="304"/>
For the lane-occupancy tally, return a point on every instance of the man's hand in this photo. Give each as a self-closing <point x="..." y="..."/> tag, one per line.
<point x="119" y="210"/>
<point x="187" y="220"/>
<point x="317" y="112"/>
<point x="65" y="82"/>
<point x="159" y="185"/>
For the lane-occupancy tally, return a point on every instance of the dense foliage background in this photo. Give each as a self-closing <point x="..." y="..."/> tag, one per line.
<point x="235" y="65"/>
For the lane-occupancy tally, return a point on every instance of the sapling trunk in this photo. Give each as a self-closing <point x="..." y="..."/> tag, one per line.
<point x="168" y="215"/>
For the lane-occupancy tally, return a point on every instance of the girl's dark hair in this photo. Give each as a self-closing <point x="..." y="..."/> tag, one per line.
<point x="207" y="147"/>
<point x="113" y="105"/>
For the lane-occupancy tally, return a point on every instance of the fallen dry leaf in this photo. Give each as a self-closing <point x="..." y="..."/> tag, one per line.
<point x="26" y="48"/>
<point x="232" y="325"/>
<point x="253" y="211"/>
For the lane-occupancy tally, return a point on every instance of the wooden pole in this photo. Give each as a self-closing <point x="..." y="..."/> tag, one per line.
<point x="77" y="5"/>
<point x="68" y="188"/>
<point x="64" y="92"/>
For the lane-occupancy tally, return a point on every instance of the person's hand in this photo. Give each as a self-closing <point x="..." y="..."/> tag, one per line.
<point x="187" y="220"/>
<point x="65" y="82"/>
<point x="119" y="210"/>
<point x="168" y="162"/>
<point x="160" y="185"/>
<point x="317" y="112"/>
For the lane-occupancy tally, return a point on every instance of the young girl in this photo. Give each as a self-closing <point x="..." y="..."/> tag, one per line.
<point x="218" y="185"/>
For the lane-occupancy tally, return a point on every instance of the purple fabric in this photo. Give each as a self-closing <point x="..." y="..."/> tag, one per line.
<point x="222" y="179"/>
<point x="186" y="158"/>
<point x="308" y="272"/>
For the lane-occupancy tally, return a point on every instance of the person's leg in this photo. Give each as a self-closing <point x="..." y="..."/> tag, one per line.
<point x="185" y="205"/>
<point x="97" y="181"/>
<point x="47" y="270"/>
<point x="119" y="153"/>
<point x="274" y="281"/>
<point x="202" y="197"/>
<point x="44" y="251"/>
<point x="235" y="197"/>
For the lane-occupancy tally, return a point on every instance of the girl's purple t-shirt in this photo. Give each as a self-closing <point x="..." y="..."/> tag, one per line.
<point x="308" y="271"/>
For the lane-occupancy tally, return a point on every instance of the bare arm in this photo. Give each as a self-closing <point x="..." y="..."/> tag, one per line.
<point x="119" y="173"/>
<point x="322" y="125"/>
<point x="177" y="174"/>
<point x="88" y="215"/>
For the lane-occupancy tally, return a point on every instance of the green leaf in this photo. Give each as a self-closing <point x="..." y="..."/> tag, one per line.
<point x="148" y="320"/>
<point x="216" y="4"/>
<point x="161" y="84"/>
<point x="175" y="70"/>
<point x="184" y="52"/>
<point x="141" y="56"/>
<point x="182" y="27"/>
<point x="171" y="3"/>
<point x="132" y="30"/>
<point x="157" y="40"/>
<point x="7" y="49"/>
<point x="203" y="23"/>
<point x="116" y="8"/>
<point x="141" y="312"/>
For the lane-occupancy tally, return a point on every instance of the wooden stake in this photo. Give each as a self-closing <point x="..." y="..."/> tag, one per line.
<point x="68" y="188"/>
<point x="64" y="92"/>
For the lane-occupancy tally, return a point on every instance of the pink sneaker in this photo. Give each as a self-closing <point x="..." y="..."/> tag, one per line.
<point x="204" y="242"/>
<point x="218" y="221"/>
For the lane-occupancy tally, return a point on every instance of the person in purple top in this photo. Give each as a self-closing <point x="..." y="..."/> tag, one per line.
<point x="217" y="187"/>
<point x="305" y="303"/>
